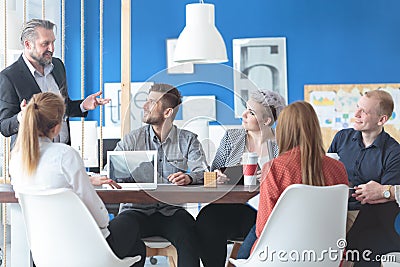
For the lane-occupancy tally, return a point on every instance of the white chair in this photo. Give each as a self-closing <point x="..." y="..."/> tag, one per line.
<point x="306" y="223"/>
<point x="62" y="232"/>
<point x="391" y="259"/>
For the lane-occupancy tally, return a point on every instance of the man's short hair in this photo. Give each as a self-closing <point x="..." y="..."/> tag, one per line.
<point x="171" y="96"/>
<point x="386" y="104"/>
<point x="29" y="30"/>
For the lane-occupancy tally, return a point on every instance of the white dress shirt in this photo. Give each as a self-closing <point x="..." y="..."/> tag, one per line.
<point x="60" y="166"/>
<point x="397" y="193"/>
<point x="47" y="83"/>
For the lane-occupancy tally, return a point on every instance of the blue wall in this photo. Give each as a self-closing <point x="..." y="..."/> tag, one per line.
<point x="328" y="41"/>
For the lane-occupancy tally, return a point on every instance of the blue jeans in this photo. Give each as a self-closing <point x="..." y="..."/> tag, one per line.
<point x="245" y="248"/>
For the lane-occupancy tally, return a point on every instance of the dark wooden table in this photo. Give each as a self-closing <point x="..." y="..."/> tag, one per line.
<point x="168" y="194"/>
<point x="171" y="194"/>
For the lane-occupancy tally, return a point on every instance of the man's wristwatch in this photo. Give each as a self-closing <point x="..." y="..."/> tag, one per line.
<point x="386" y="193"/>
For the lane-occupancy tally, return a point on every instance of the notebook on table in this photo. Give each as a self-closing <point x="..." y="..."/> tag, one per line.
<point x="235" y="174"/>
<point x="133" y="169"/>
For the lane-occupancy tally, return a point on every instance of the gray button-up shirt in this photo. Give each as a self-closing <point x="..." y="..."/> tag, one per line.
<point x="181" y="151"/>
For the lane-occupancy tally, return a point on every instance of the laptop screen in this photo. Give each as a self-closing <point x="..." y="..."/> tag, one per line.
<point x="133" y="169"/>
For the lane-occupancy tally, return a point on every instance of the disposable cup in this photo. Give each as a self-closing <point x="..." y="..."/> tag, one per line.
<point x="249" y="161"/>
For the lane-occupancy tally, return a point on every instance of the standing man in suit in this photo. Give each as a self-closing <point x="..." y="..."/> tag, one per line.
<point x="34" y="72"/>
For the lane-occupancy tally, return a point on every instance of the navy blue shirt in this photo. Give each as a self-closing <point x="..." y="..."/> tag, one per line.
<point x="379" y="162"/>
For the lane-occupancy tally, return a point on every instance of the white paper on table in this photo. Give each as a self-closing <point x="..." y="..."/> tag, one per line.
<point x="254" y="201"/>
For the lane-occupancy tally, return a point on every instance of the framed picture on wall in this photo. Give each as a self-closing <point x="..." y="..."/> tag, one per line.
<point x="258" y="63"/>
<point x="173" y="67"/>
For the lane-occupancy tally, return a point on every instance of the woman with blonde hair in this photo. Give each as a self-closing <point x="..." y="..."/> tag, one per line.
<point x="233" y="221"/>
<point x="301" y="159"/>
<point x="39" y="164"/>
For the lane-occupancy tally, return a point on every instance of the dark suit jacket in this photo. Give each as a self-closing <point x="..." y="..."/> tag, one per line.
<point x="17" y="83"/>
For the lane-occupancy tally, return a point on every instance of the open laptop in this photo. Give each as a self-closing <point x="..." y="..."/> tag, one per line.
<point x="133" y="169"/>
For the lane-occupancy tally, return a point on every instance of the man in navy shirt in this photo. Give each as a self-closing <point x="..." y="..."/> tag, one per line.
<point x="369" y="154"/>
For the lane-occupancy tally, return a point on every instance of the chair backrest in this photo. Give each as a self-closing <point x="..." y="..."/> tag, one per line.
<point x="62" y="232"/>
<point x="306" y="227"/>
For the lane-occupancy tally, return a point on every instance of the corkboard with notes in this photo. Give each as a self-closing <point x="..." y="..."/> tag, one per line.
<point x="335" y="105"/>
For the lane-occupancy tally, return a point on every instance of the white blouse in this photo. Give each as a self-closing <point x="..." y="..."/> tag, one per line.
<point x="60" y="166"/>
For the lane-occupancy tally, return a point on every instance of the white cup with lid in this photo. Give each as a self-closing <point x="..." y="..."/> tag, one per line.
<point x="249" y="161"/>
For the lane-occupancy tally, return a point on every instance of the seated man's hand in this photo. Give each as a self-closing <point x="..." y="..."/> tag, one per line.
<point x="179" y="178"/>
<point x="259" y="175"/>
<point x="100" y="180"/>
<point x="221" y="178"/>
<point x="371" y="193"/>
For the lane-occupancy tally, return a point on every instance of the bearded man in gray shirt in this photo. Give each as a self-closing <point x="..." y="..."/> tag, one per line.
<point x="178" y="151"/>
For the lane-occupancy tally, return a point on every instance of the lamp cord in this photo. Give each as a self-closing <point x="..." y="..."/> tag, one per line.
<point x="5" y="150"/>
<point x="83" y="72"/>
<point x="101" y="148"/>
<point x="63" y="30"/>
<point x="43" y="9"/>
<point x="24" y="12"/>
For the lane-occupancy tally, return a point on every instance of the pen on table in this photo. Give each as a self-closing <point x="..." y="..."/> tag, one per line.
<point x="206" y="167"/>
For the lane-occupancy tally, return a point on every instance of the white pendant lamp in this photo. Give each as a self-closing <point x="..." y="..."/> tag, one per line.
<point x="200" y="41"/>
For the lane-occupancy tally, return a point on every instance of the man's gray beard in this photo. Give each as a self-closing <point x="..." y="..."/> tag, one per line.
<point x="41" y="61"/>
<point x="44" y="62"/>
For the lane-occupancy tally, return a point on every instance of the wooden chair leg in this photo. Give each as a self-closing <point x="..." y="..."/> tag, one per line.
<point x="172" y="256"/>
<point x="234" y="252"/>
<point x="171" y="262"/>
<point x="169" y="252"/>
